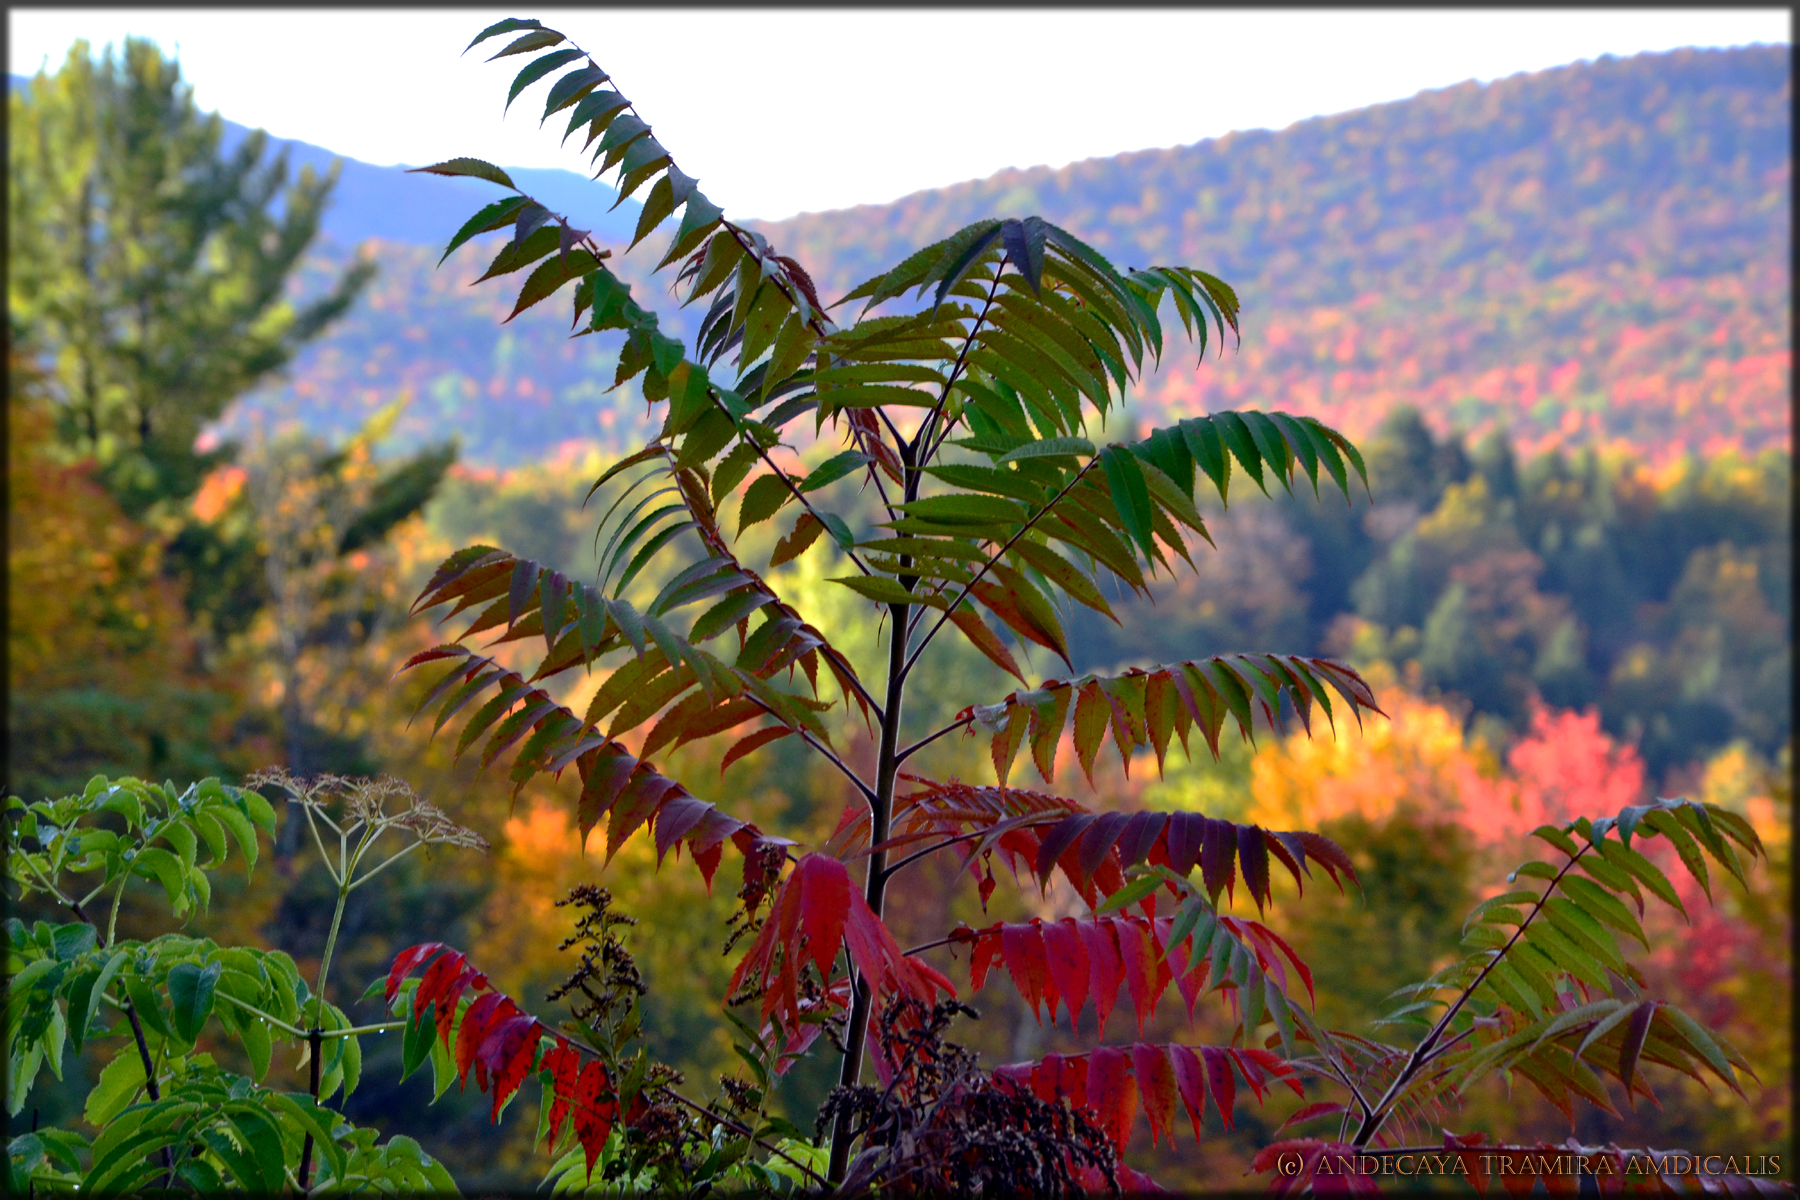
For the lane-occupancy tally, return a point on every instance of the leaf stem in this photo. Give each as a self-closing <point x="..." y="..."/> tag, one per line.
<point x="930" y="424"/>
<point x="296" y="1031"/>
<point x="318" y="841"/>
<point x="926" y="741"/>
<point x="271" y="1018"/>
<point x="788" y="481"/>
<point x="924" y="946"/>
<point x="916" y="855"/>
<point x="994" y="559"/>
<point x="824" y="750"/>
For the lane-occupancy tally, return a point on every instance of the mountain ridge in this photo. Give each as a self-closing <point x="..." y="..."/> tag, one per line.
<point x="387" y="203"/>
<point x="1592" y="255"/>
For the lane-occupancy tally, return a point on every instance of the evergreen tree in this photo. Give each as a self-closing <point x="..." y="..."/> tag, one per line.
<point x="150" y="268"/>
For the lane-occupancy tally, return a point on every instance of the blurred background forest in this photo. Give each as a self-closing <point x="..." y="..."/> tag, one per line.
<point x="248" y="414"/>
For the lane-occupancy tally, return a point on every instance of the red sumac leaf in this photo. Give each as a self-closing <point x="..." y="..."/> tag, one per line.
<point x="1046" y="1078"/>
<point x="1098" y="841"/>
<point x="1330" y="855"/>
<point x="446" y="1001"/>
<point x="1058" y="838"/>
<point x="1156" y="1085"/>
<point x="1190" y="1080"/>
<point x="1218" y="848"/>
<point x="509" y="1052"/>
<point x="1073" y="1080"/>
<point x="1069" y="970"/>
<point x="752" y="743"/>
<point x="1026" y="962"/>
<point x="405" y="961"/>
<point x="602" y="776"/>
<point x="1312" y="1112"/>
<point x="824" y="904"/>
<point x="1287" y="848"/>
<point x="987" y="949"/>
<point x="636" y="804"/>
<point x="1252" y="1073"/>
<point x="1136" y="953"/>
<point x="474" y="1029"/>
<point x="593" y="1119"/>
<point x="1253" y="858"/>
<point x="441" y="971"/>
<point x="1183" y="840"/>
<point x="1220" y="1082"/>
<point x="675" y="819"/>
<point x="1276" y="1067"/>
<point x="564" y="1067"/>
<point x="1105" y="969"/>
<point x="1139" y="834"/>
<point x="1109" y="1094"/>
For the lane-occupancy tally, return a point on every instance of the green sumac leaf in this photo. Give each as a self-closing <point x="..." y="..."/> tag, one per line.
<point x="473" y="167"/>
<point x="497" y="215"/>
<point x="570" y="88"/>
<point x="697" y="220"/>
<point x="541" y="39"/>
<point x="551" y="275"/>
<point x="762" y="500"/>
<point x="834" y="469"/>
<point x="509" y="25"/>
<point x="886" y="591"/>
<point x="1056" y="447"/>
<point x="537" y="68"/>
<point x="1130" y="494"/>
<point x="1130" y="894"/>
<point x="515" y="256"/>
<point x="979" y="510"/>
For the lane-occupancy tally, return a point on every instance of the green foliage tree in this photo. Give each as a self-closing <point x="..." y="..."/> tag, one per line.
<point x="148" y="285"/>
<point x="149" y="268"/>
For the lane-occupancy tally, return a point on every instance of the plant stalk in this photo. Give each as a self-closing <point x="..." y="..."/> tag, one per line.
<point x="316" y="1035"/>
<point x="137" y="1026"/>
<point x="887" y="769"/>
<point x="307" y="1149"/>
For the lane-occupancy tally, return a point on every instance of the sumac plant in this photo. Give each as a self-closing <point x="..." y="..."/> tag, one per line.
<point x="968" y="413"/>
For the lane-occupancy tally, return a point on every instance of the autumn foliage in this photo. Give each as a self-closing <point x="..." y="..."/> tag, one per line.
<point x="966" y="424"/>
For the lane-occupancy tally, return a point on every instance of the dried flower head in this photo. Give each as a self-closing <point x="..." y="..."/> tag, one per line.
<point x="378" y="804"/>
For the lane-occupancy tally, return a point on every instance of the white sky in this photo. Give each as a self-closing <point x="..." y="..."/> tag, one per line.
<point x="862" y="106"/>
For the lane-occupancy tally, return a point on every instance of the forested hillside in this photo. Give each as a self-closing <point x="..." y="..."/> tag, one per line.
<point x="1600" y="251"/>
<point x="1592" y="254"/>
